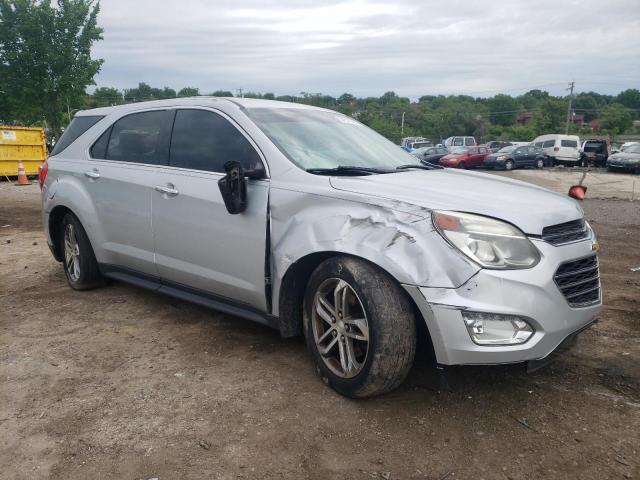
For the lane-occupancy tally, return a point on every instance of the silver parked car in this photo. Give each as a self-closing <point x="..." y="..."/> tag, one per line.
<point x="308" y="221"/>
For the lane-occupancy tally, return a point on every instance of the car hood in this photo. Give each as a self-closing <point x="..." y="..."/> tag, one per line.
<point x="625" y="156"/>
<point x="529" y="207"/>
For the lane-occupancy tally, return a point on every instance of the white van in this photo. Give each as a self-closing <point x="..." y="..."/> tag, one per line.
<point x="452" y="142"/>
<point x="560" y="148"/>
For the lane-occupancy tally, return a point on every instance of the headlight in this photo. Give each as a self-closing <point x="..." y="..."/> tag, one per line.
<point x="501" y="157"/>
<point x="490" y="243"/>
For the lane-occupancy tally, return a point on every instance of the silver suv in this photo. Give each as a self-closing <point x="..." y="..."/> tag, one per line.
<point x="307" y="221"/>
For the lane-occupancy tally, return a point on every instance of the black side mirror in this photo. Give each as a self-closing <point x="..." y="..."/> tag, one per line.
<point x="233" y="187"/>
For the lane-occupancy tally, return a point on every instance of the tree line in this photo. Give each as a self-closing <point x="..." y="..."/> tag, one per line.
<point x="501" y="117"/>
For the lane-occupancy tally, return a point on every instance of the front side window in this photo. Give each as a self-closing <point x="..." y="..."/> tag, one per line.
<point x="203" y="140"/>
<point x="458" y="142"/>
<point x="549" y="144"/>
<point x="470" y="141"/>
<point x="138" y="138"/>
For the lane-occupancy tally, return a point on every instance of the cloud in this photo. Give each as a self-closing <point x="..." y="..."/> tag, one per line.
<point x="367" y="47"/>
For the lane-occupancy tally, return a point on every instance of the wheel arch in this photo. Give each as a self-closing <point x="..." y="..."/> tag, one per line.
<point x="294" y="284"/>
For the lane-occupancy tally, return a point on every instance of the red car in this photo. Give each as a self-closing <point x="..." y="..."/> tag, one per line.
<point x="465" y="157"/>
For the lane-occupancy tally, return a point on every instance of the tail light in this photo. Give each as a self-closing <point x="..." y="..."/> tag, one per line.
<point x="556" y="149"/>
<point x="42" y="173"/>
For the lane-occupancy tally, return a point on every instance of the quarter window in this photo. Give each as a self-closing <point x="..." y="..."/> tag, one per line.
<point x="203" y="140"/>
<point x="569" y="143"/>
<point x="77" y="127"/>
<point x="549" y="144"/>
<point x="139" y="138"/>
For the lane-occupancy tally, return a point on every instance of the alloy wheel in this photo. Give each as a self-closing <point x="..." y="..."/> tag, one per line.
<point x="71" y="253"/>
<point x="340" y="328"/>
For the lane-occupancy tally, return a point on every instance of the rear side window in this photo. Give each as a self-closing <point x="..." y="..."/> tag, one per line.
<point x="569" y="143"/>
<point x="77" y="127"/>
<point x="139" y="138"/>
<point x="470" y="141"/>
<point x="99" y="149"/>
<point x="549" y="144"/>
<point x="457" y="142"/>
<point x="203" y="140"/>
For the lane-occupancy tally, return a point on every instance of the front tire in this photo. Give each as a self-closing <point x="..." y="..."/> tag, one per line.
<point x="78" y="259"/>
<point x="359" y="326"/>
<point x="462" y="166"/>
<point x="508" y="165"/>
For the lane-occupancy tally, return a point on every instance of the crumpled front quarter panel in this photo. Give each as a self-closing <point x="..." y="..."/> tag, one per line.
<point x="396" y="236"/>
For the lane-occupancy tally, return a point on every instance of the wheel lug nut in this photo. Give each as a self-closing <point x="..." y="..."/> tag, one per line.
<point x="334" y="333"/>
<point x="342" y="337"/>
<point x="333" y="319"/>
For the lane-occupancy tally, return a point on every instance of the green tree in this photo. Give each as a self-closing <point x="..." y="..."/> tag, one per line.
<point x="630" y="98"/>
<point x="189" y="92"/>
<point x="503" y="110"/>
<point x="45" y="58"/>
<point x="222" y="93"/>
<point x="104" y="97"/>
<point x="616" y="119"/>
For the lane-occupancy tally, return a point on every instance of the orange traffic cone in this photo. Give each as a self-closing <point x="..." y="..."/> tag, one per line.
<point x="22" y="176"/>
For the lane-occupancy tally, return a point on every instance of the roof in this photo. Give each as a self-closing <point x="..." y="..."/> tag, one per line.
<point x="202" y="101"/>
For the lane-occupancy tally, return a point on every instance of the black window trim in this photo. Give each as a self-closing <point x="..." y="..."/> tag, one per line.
<point x="235" y="124"/>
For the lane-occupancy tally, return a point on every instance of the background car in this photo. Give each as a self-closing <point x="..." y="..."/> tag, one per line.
<point x="629" y="159"/>
<point x="465" y="157"/>
<point x="453" y="142"/>
<point x="496" y="145"/>
<point x="430" y="154"/>
<point x="514" y="157"/>
<point x="594" y="152"/>
<point x="560" y="148"/>
<point x="406" y="142"/>
<point x="416" y="145"/>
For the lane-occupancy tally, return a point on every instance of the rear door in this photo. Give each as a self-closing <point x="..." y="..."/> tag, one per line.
<point x="120" y="178"/>
<point x="198" y="243"/>
<point x="568" y="150"/>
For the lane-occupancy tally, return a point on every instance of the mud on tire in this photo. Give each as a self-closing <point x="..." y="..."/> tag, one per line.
<point x="83" y="272"/>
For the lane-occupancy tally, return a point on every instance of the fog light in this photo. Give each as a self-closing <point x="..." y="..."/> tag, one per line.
<point x="497" y="329"/>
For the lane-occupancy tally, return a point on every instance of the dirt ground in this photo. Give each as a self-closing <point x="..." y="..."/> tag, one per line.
<point x="120" y="383"/>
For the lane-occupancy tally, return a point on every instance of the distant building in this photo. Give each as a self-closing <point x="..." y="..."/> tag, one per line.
<point x="524" y="118"/>
<point x="578" y="119"/>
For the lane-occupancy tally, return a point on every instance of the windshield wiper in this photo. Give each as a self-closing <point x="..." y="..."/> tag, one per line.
<point x="422" y="166"/>
<point x="347" y="170"/>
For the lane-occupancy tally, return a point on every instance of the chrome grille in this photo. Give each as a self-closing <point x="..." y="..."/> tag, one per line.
<point x="579" y="281"/>
<point x="565" y="232"/>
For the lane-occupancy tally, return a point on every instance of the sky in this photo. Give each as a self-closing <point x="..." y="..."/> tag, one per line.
<point x="368" y="47"/>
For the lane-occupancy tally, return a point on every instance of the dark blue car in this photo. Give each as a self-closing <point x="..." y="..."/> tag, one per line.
<point x="513" y="156"/>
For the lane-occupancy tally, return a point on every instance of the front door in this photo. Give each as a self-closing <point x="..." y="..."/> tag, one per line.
<point x="198" y="243"/>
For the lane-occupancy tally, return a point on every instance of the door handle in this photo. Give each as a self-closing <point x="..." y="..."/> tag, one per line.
<point x="169" y="189"/>
<point x="92" y="174"/>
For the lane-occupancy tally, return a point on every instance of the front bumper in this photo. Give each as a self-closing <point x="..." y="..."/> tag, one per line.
<point x="530" y="293"/>
<point x="493" y="162"/>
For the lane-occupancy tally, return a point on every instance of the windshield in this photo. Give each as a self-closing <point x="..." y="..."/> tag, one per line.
<point x="315" y="139"/>
<point x="632" y="148"/>
<point x="508" y="149"/>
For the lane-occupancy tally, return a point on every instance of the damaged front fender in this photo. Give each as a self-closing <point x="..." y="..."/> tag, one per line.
<point x="397" y="237"/>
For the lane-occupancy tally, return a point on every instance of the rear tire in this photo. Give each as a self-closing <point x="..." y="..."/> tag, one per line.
<point x="346" y="302"/>
<point x="539" y="163"/>
<point x="78" y="259"/>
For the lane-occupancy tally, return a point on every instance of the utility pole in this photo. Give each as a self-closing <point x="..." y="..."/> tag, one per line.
<point x="402" y="125"/>
<point x="239" y="91"/>
<point x="571" y="86"/>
